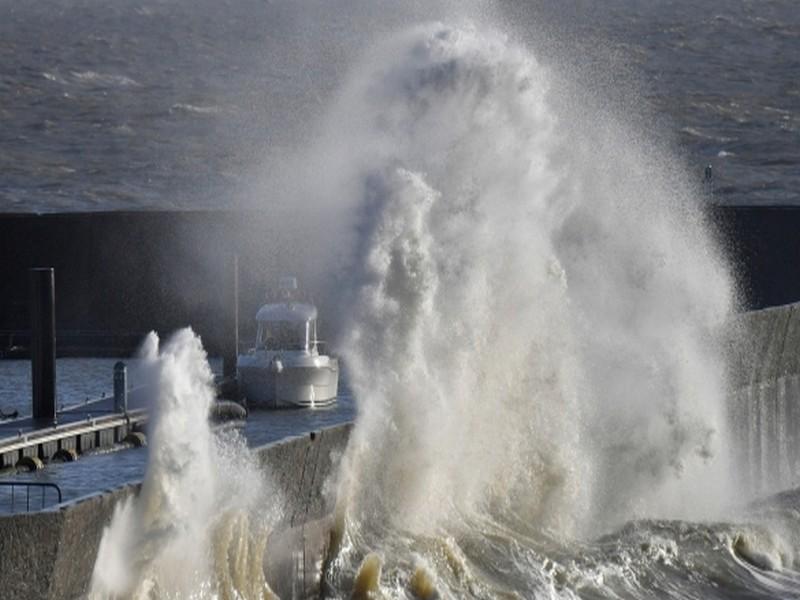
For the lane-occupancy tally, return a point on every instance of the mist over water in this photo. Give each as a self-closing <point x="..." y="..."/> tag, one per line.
<point x="534" y="314"/>
<point x="527" y="286"/>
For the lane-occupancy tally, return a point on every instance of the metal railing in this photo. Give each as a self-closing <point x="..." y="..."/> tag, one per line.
<point x="28" y="485"/>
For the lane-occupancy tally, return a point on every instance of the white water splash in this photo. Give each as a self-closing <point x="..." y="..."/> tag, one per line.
<point x="534" y="298"/>
<point x="198" y="527"/>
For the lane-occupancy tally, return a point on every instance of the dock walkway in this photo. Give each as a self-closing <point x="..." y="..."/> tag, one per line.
<point x="26" y="443"/>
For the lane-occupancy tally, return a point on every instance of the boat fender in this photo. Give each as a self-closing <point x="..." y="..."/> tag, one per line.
<point x="276" y="366"/>
<point x="65" y="455"/>
<point x="136" y="439"/>
<point x="225" y="410"/>
<point x="30" y="463"/>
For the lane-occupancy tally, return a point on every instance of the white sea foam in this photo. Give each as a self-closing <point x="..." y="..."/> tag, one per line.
<point x="198" y="527"/>
<point x="109" y="79"/>
<point x="534" y="300"/>
<point x="191" y="108"/>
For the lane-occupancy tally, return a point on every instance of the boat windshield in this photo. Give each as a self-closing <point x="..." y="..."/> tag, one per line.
<point x="283" y="335"/>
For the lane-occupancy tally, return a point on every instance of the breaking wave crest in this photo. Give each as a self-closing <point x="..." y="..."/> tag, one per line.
<point x="199" y="526"/>
<point x="534" y="309"/>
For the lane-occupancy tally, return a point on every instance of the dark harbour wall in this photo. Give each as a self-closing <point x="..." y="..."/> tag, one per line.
<point x="763" y="245"/>
<point x="119" y="275"/>
<point x="51" y="554"/>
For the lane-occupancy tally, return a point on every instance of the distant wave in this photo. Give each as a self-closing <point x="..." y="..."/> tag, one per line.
<point x="53" y="77"/>
<point x="191" y="108"/>
<point x="109" y="79"/>
<point x="706" y="136"/>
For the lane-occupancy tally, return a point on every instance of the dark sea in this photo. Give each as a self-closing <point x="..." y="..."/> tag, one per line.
<point x="151" y="104"/>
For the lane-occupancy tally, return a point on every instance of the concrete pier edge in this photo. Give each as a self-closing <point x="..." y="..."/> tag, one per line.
<point x="50" y="554"/>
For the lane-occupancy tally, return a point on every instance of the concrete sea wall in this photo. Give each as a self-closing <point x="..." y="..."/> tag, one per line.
<point x="767" y="345"/>
<point x="764" y="409"/>
<point x="51" y="554"/>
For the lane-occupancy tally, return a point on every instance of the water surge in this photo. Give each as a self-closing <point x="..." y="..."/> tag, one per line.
<point x="199" y="526"/>
<point x="534" y="310"/>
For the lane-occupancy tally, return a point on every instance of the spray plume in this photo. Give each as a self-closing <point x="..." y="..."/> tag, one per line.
<point x="198" y="527"/>
<point x="534" y="301"/>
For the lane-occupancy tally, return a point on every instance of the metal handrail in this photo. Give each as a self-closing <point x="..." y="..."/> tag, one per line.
<point x="28" y="485"/>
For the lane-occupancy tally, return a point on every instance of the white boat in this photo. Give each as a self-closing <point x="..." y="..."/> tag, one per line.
<point x="285" y="368"/>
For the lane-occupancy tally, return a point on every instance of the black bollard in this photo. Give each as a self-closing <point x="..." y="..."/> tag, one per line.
<point x="708" y="179"/>
<point x="231" y="335"/>
<point x="43" y="342"/>
<point x="120" y="387"/>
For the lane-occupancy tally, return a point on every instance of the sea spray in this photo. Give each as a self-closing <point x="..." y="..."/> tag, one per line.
<point x="533" y="304"/>
<point x="198" y="527"/>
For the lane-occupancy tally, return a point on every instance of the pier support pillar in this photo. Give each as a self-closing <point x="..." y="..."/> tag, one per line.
<point x="120" y="387"/>
<point x="43" y="342"/>
<point x="231" y="334"/>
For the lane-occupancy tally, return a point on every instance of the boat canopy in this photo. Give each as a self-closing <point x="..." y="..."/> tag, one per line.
<point x="291" y="312"/>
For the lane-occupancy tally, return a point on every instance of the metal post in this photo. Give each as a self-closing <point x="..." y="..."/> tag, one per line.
<point x="231" y="335"/>
<point x="120" y="387"/>
<point x="708" y="179"/>
<point x="43" y="342"/>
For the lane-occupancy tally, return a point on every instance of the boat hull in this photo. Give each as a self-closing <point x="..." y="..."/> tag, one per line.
<point x="295" y="386"/>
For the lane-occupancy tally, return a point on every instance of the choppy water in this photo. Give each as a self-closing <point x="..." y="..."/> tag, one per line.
<point x="152" y="104"/>
<point x="77" y="380"/>
<point x="752" y="556"/>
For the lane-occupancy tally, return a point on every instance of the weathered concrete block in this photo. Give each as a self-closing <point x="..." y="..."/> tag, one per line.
<point x="81" y="530"/>
<point x="765" y="345"/>
<point x="32" y="451"/>
<point x="120" y="431"/>
<point x="764" y="398"/>
<point x="86" y="441"/>
<point x="105" y="437"/>
<point x="294" y="557"/>
<point x="29" y="546"/>
<point x="68" y="443"/>
<point x="47" y="449"/>
<point x="9" y="459"/>
<point x="300" y="466"/>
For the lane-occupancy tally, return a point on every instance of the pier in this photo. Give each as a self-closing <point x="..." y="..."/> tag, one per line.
<point x="50" y="554"/>
<point x="27" y="444"/>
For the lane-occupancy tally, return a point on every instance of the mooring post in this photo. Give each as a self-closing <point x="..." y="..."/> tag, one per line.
<point x="43" y="342"/>
<point x="231" y="335"/>
<point x="120" y="387"/>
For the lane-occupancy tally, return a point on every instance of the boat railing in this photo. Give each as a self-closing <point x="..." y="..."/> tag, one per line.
<point x="29" y="485"/>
